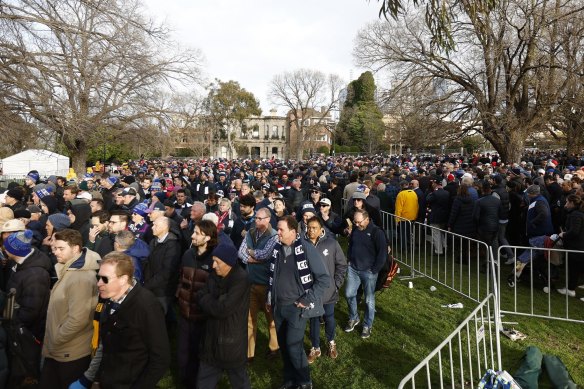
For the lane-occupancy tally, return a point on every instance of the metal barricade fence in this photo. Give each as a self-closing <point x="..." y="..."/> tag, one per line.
<point x="465" y="355"/>
<point x="399" y="234"/>
<point x="453" y="260"/>
<point x="530" y="288"/>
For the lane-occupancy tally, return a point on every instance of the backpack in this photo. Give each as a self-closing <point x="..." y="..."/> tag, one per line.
<point x="388" y="271"/>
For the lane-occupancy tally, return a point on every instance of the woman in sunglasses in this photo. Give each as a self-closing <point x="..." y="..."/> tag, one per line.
<point x="69" y="329"/>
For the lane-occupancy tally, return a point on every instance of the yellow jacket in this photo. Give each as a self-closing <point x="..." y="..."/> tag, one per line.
<point x="406" y="205"/>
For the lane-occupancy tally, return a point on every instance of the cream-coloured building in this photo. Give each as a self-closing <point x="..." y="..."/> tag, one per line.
<point x="261" y="137"/>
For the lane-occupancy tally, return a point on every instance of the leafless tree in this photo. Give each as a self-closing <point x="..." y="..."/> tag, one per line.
<point x="503" y="80"/>
<point x="75" y="67"/>
<point x="310" y="96"/>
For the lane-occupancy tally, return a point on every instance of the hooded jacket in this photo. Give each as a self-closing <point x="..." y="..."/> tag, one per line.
<point x="139" y="253"/>
<point x="82" y="223"/>
<point x="32" y="283"/>
<point x="70" y="314"/>
<point x="335" y="263"/>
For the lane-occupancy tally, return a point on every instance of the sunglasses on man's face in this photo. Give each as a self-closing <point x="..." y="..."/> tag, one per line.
<point x="105" y="279"/>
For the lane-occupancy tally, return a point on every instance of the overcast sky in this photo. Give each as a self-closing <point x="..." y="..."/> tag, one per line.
<point x="251" y="41"/>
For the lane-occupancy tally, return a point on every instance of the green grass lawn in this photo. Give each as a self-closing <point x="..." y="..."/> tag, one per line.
<point x="409" y="324"/>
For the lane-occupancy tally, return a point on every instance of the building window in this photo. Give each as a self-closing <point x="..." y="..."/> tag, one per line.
<point x="274" y="131"/>
<point x="275" y="151"/>
<point x="256" y="132"/>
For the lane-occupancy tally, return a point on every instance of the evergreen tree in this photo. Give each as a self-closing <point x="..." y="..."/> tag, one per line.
<point x="361" y="121"/>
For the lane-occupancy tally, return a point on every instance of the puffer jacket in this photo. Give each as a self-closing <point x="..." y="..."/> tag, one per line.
<point x="71" y="306"/>
<point x="194" y="273"/>
<point x="336" y="264"/>
<point x="32" y="283"/>
<point x="226" y="303"/>
<point x="461" y="216"/>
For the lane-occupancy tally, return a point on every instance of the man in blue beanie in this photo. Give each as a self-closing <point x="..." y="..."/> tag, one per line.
<point x="31" y="281"/>
<point x="225" y="299"/>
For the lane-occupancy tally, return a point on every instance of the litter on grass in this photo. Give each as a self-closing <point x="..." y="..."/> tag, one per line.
<point x="455" y="305"/>
<point x="513" y="334"/>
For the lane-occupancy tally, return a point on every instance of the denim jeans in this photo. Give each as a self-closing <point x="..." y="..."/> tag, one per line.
<point x="329" y="326"/>
<point x="368" y="280"/>
<point x="290" y="328"/>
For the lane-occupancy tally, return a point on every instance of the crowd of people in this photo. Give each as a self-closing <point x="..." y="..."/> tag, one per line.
<point x="105" y="267"/>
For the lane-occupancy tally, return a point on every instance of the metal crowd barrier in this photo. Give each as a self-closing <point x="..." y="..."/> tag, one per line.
<point x="533" y="290"/>
<point x="400" y="236"/>
<point x="462" y="264"/>
<point x="465" y="355"/>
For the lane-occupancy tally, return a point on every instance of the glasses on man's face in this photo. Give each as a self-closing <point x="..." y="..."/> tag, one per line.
<point x="357" y="222"/>
<point x="262" y="218"/>
<point x="104" y="279"/>
<point x="322" y="205"/>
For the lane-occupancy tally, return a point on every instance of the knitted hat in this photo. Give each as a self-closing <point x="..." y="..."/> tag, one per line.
<point x="211" y="217"/>
<point x="15" y="193"/>
<point x="22" y="213"/>
<point x="12" y="226"/>
<point x="19" y="243"/>
<point x="226" y="253"/>
<point x="33" y="175"/>
<point x="83" y="186"/>
<point x="59" y="221"/>
<point x="42" y="193"/>
<point x="141" y="209"/>
<point x="308" y="207"/>
<point x="112" y="180"/>
<point x="34" y="209"/>
<point x="50" y="202"/>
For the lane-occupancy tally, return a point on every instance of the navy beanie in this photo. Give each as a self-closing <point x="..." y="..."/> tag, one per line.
<point x="60" y="221"/>
<point x="19" y="243"/>
<point x="227" y="253"/>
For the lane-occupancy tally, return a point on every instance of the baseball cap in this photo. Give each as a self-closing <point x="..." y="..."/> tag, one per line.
<point x="325" y="201"/>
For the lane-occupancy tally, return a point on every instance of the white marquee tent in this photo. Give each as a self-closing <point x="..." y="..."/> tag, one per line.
<point x="46" y="162"/>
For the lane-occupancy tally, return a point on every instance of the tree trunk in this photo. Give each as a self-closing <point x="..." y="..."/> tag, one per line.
<point x="299" y="144"/>
<point x="510" y="146"/>
<point x="78" y="153"/>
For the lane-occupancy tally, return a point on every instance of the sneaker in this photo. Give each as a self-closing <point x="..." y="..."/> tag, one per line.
<point x="510" y="261"/>
<point x="581" y="286"/>
<point x="546" y="290"/>
<point x="351" y="325"/>
<point x="313" y="355"/>
<point x="332" y="350"/>
<point x="582" y="299"/>
<point x="571" y="293"/>
<point x="519" y="268"/>
<point x="366" y="332"/>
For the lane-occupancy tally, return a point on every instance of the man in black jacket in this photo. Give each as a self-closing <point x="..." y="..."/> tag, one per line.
<point x="500" y="191"/>
<point x="438" y="203"/>
<point x="31" y="281"/>
<point x="486" y="215"/>
<point x="133" y="349"/>
<point x="161" y="270"/>
<point x="225" y="300"/>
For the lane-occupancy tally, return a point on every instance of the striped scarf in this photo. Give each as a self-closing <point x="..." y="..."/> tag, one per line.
<point x="301" y="265"/>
